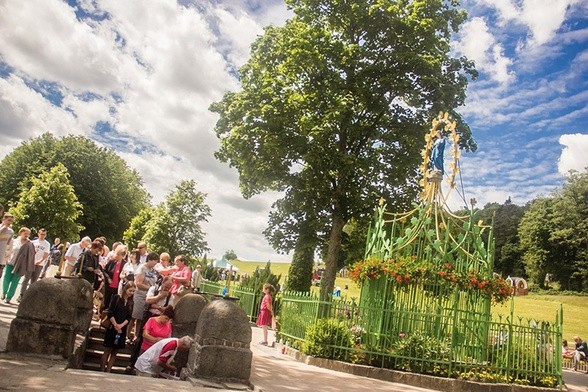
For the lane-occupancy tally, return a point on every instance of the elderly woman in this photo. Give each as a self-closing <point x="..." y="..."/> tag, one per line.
<point x="21" y="263"/>
<point x="165" y="267"/>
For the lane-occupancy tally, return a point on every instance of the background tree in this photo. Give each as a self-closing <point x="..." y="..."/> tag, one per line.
<point x="539" y="254"/>
<point x="570" y="232"/>
<point x="554" y="235"/>
<point x="260" y="276"/>
<point x="176" y="223"/>
<point x="508" y="257"/>
<point x="110" y="192"/>
<point x="50" y="203"/>
<point x="334" y="106"/>
<point x="136" y="231"/>
<point x="230" y="255"/>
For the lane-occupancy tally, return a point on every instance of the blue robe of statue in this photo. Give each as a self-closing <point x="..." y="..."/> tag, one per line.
<point x="437" y="154"/>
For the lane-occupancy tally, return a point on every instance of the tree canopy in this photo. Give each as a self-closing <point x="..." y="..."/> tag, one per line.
<point x="334" y="106"/>
<point x="554" y="235"/>
<point x="176" y="223"/>
<point x="230" y="255"/>
<point x="50" y="203"/>
<point x="110" y="193"/>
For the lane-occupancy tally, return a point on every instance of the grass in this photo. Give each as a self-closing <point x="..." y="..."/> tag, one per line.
<point x="544" y="307"/>
<point x="532" y="306"/>
<point x="249" y="267"/>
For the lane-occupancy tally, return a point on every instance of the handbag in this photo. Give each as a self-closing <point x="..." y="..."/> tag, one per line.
<point x="105" y="320"/>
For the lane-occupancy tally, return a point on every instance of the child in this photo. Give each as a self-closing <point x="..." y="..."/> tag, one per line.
<point x="566" y="352"/>
<point x="266" y="311"/>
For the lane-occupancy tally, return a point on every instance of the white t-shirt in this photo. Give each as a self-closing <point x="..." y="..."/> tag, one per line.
<point x="147" y="362"/>
<point x="74" y="251"/>
<point x="41" y="247"/>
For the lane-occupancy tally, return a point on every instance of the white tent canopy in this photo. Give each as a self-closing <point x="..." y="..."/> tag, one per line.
<point x="224" y="263"/>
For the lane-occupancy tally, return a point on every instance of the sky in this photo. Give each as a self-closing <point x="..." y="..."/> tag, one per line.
<point x="139" y="77"/>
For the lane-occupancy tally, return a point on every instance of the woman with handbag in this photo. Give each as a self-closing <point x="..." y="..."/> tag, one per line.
<point x="119" y="314"/>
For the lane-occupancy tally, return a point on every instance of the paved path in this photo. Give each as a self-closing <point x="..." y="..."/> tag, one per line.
<point x="276" y="372"/>
<point x="271" y="372"/>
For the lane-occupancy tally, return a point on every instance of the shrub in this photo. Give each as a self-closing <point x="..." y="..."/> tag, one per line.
<point x="419" y="353"/>
<point x="328" y="338"/>
<point x="257" y="279"/>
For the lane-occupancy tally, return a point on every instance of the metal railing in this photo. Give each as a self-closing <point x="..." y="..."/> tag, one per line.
<point x="248" y="300"/>
<point x="442" y="342"/>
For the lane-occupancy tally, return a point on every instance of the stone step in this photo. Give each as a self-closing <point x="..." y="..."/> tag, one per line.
<point x="93" y="353"/>
<point x="94" y="357"/>
<point x="97" y="343"/>
<point x="96" y="367"/>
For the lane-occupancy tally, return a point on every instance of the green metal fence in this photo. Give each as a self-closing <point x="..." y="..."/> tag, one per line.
<point x="248" y="300"/>
<point x="437" y="341"/>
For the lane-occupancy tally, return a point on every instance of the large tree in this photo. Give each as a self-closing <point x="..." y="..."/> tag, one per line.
<point x="110" y="192"/>
<point x="334" y="106"/>
<point x="50" y="203"/>
<point x="176" y="223"/>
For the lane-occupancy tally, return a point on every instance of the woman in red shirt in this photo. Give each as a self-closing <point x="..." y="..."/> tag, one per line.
<point x="157" y="328"/>
<point x="181" y="279"/>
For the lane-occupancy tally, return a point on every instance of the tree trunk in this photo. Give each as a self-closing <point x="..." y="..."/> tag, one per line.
<point x="328" y="279"/>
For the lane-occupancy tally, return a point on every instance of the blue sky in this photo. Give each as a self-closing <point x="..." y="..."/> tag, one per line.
<point x="139" y="78"/>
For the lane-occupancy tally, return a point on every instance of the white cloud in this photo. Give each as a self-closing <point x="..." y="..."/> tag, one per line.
<point x="542" y="18"/>
<point x="44" y="40"/>
<point x="151" y="73"/>
<point x="478" y="44"/>
<point x="573" y="155"/>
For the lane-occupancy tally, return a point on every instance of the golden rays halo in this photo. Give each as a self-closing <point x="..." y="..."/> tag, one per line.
<point x="431" y="181"/>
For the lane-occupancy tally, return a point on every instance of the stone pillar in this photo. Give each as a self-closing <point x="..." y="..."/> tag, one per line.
<point x="186" y="314"/>
<point x="221" y="344"/>
<point x="51" y="313"/>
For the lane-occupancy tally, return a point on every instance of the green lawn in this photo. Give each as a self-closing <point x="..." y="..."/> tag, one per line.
<point x="544" y="307"/>
<point x="538" y="307"/>
<point x="250" y="266"/>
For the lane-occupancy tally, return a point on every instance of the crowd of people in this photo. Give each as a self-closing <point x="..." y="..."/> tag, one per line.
<point x="139" y="290"/>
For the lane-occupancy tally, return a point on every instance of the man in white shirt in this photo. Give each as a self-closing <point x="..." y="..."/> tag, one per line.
<point x="160" y="356"/>
<point x="42" y="248"/>
<point x="72" y="254"/>
<point x="6" y="234"/>
<point x="197" y="277"/>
